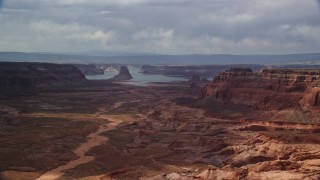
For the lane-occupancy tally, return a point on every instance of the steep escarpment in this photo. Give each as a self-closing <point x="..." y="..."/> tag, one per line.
<point x="29" y="75"/>
<point x="283" y="93"/>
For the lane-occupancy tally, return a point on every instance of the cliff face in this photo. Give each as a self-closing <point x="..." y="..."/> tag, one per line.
<point x="274" y="89"/>
<point x="26" y="75"/>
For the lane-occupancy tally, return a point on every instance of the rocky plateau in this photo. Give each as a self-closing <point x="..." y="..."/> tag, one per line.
<point x="30" y="75"/>
<point x="278" y="94"/>
<point x="247" y="125"/>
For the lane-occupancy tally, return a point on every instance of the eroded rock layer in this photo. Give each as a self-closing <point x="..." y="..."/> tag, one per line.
<point x="286" y="94"/>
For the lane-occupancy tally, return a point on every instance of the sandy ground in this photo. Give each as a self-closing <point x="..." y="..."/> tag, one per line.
<point x="143" y="133"/>
<point x="94" y="139"/>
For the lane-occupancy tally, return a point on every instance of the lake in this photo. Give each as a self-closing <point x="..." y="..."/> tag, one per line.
<point x="139" y="79"/>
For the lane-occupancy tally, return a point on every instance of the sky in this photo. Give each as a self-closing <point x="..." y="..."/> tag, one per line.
<point x="161" y="26"/>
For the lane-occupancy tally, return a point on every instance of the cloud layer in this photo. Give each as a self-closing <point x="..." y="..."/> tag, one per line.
<point x="161" y="26"/>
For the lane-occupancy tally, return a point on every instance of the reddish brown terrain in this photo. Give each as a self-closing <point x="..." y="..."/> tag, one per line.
<point x="287" y="95"/>
<point x="240" y="129"/>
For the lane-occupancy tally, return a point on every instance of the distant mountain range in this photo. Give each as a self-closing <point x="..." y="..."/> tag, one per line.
<point x="307" y="58"/>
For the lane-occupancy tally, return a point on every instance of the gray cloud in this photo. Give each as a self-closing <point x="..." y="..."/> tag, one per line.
<point x="161" y="26"/>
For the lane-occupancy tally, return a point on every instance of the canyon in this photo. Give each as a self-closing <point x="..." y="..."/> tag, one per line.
<point x="245" y="124"/>
<point x="290" y="95"/>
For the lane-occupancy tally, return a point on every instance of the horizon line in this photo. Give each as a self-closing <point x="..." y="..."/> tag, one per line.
<point x="148" y="54"/>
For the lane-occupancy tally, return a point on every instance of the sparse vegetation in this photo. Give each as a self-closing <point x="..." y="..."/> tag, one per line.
<point x="160" y="130"/>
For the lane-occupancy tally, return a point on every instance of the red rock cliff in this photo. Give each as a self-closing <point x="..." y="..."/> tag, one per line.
<point x="271" y="89"/>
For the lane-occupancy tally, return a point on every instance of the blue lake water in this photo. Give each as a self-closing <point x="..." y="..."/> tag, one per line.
<point x="139" y="79"/>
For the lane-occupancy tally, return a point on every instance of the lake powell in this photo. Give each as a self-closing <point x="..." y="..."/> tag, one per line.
<point x="139" y="79"/>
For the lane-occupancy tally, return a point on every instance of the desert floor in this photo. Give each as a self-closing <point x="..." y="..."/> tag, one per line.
<point x="101" y="130"/>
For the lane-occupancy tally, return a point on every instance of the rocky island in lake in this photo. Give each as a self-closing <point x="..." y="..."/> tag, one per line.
<point x="123" y="74"/>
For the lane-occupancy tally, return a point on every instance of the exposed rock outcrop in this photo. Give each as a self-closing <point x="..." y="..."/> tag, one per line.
<point x="29" y="75"/>
<point x="123" y="74"/>
<point x="271" y="89"/>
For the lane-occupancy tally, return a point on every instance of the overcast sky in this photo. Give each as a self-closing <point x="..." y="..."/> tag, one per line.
<point x="161" y="26"/>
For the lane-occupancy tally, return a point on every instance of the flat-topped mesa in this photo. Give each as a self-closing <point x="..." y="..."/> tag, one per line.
<point x="239" y="70"/>
<point x="291" y="80"/>
<point x="292" y="71"/>
<point x="233" y="72"/>
<point x="29" y="75"/>
<point x="271" y="89"/>
<point x="123" y="74"/>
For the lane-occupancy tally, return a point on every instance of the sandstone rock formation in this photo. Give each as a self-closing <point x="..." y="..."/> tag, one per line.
<point x="123" y="74"/>
<point x="28" y="75"/>
<point x="294" y="90"/>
